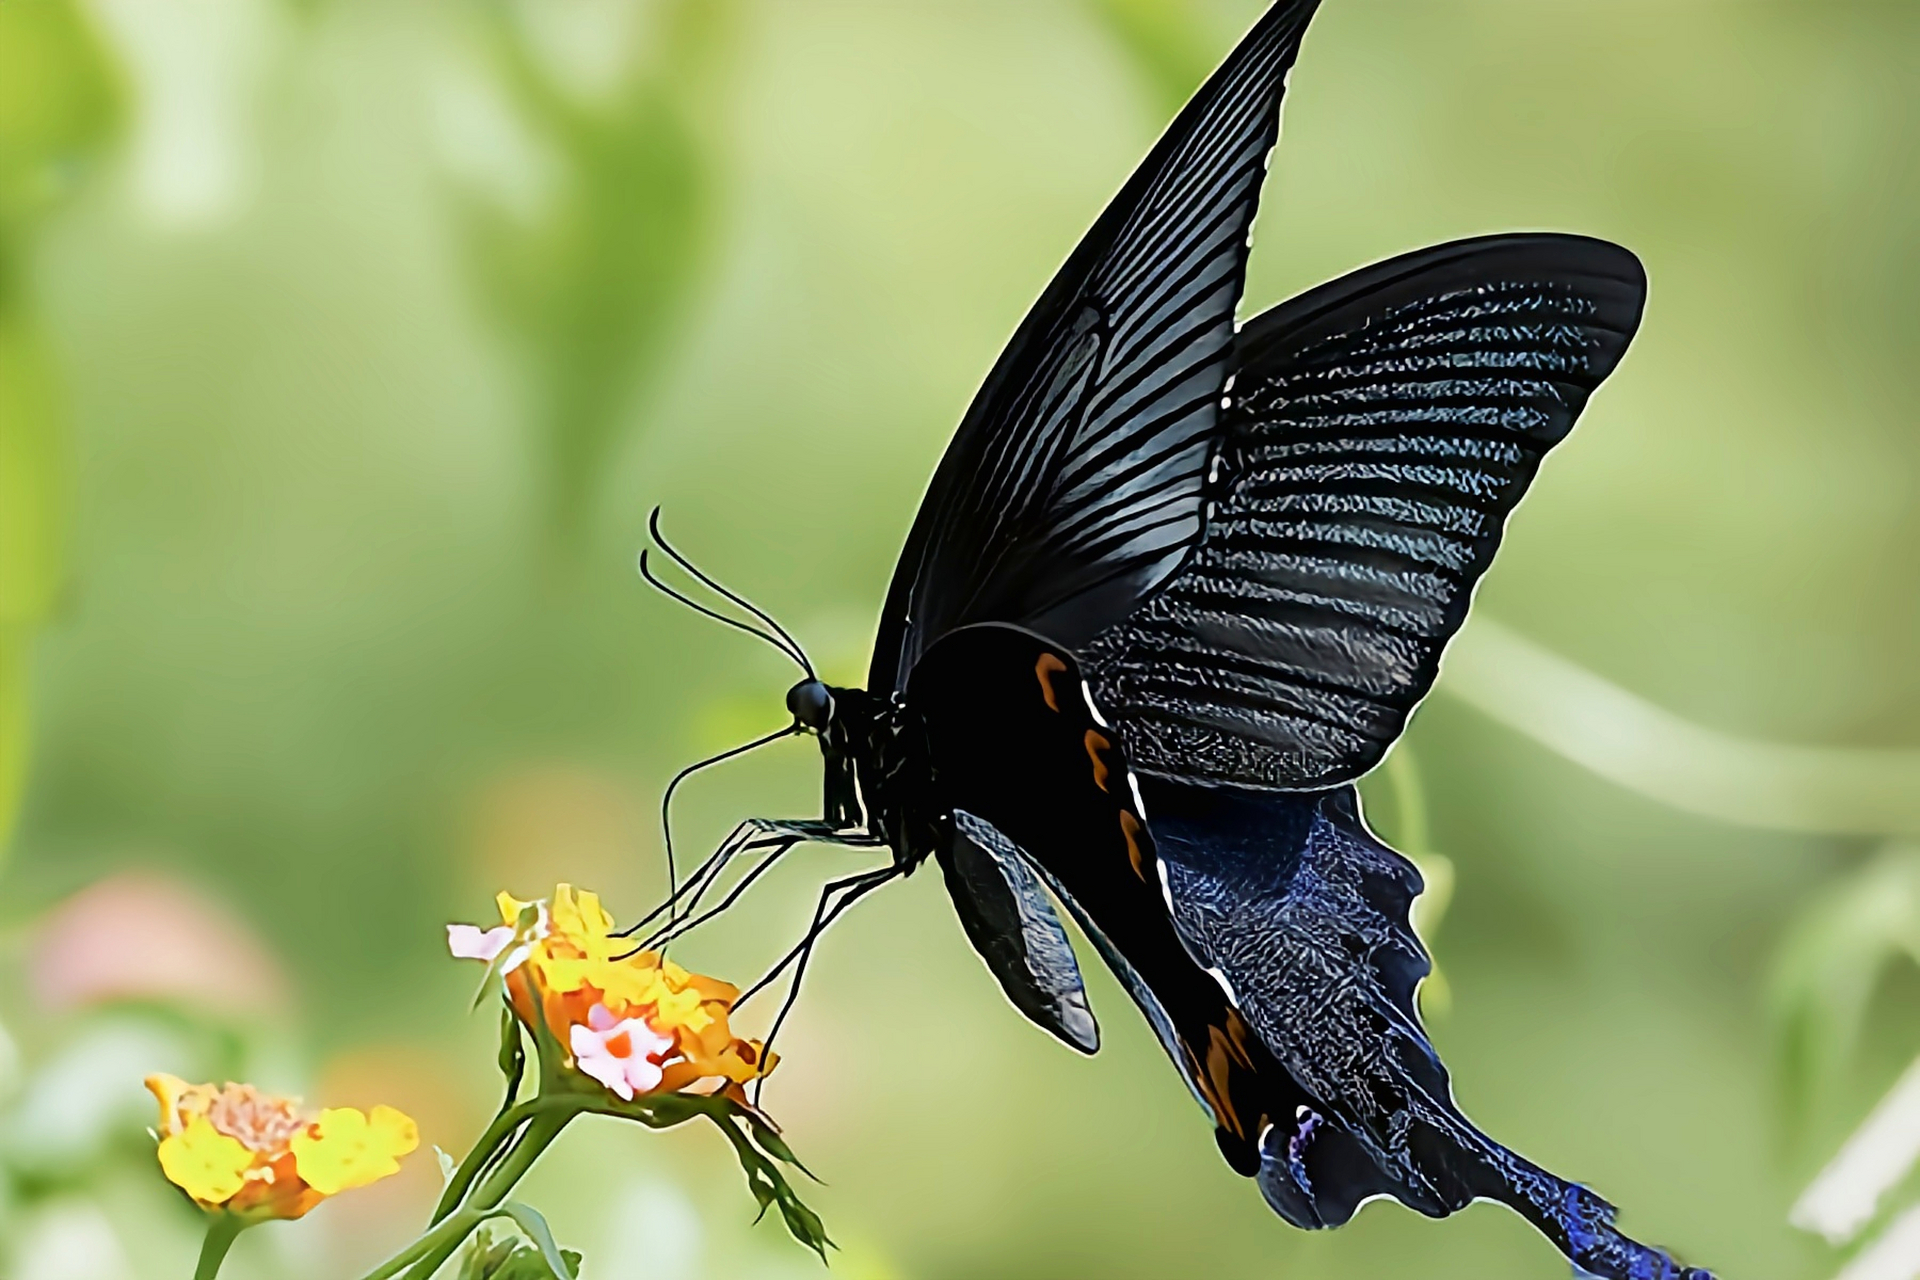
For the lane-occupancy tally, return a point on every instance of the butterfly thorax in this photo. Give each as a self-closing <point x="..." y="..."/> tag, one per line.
<point x="876" y="772"/>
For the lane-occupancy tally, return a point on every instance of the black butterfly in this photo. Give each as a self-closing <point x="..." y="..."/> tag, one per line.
<point x="1175" y="586"/>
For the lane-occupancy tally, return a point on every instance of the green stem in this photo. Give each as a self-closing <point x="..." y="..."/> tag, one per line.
<point x="222" y="1231"/>
<point x="497" y="1133"/>
<point x="450" y="1232"/>
<point x="544" y="1118"/>
<point x="439" y="1244"/>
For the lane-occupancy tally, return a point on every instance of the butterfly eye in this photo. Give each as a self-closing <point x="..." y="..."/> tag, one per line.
<point x="811" y="704"/>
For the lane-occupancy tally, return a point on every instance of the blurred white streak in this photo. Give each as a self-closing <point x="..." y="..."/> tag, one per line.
<point x="194" y="65"/>
<point x="1894" y="1256"/>
<point x="586" y="46"/>
<point x="70" y="1240"/>
<point x="10" y="1067"/>
<point x="1645" y="748"/>
<point x="484" y="144"/>
<point x="1843" y="1198"/>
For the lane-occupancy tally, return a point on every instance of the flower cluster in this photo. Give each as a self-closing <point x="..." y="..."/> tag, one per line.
<point x="239" y="1151"/>
<point x="615" y="1031"/>
<point x="632" y="1020"/>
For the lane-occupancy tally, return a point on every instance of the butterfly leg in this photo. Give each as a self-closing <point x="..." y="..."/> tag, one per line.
<point x="850" y="890"/>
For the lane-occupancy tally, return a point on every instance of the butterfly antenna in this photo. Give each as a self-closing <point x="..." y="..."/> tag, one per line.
<point x="798" y="658"/>
<point x="666" y="804"/>
<point x="792" y="646"/>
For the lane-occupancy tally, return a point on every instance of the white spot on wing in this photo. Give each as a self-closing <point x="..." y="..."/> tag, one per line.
<point x="1098" y="719"/>
<point x="1225" y="986"/>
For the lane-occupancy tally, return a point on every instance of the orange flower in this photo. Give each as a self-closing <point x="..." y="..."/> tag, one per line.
<point x="236" y="1150"/>
<point x="632" y="1020"/>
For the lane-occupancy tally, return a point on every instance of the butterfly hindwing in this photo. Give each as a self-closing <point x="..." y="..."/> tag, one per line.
<point x="1012" y="739"/>
<point x="1306" y="915"/>
<point x="1381" y="429"/>
<point x="1073" y="484"/>
<point x="1007" y="917"/>
<point x="1264" y="935"/>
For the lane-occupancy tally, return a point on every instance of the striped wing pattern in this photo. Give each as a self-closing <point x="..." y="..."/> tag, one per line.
<point x="1380" y="430"/>
<point x="1074" y="484"/>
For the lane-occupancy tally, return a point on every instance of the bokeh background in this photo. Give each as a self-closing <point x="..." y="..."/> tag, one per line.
<point x="344" y="347"/>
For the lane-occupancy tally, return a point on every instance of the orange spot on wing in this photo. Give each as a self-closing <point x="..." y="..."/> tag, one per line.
<point x="1237" y="1033"/>
<point x="1096" y="743"/>
<point x="1043" y="672"/>
<point x="1221" y="1055"/>
<point x="1130" y="831"/>
<point x="1226" y="1054"/>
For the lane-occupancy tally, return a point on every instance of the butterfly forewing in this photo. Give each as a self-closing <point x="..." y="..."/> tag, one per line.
<point x="1073" y="485"/>
<point x="1381" y="430"/>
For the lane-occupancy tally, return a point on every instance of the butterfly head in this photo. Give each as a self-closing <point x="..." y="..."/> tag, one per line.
<point x="811" y="703"/>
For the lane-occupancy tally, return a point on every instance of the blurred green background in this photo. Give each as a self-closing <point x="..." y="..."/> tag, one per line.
<point x="345" y="345"/>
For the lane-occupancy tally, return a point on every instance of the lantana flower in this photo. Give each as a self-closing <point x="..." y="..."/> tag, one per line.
<point x="615" y="1032"/>
<point x="632" y="1021"/>
<point x="255" y="1156"/>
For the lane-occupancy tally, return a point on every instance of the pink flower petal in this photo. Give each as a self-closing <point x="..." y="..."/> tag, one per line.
<point x="643" y="1074"/>
<point x="591" y="1057"/>
<point x="633" y="1068"/>
<point x="469" y="942"/>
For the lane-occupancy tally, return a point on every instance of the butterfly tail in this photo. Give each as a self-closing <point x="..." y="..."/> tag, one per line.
<point x="1579" y="1222"/>
<point x="1303" y="914"/>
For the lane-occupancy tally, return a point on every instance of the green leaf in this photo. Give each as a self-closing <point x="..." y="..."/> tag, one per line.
<point x="511" y="1258"/>
<point x="513" y="1053"/>
<point x="529" y="1220"/>
<point x="485" y="1258"/>
<point x="773" y="1144"/>
<point x="593" y="283"/>
<point x="768" y="1185"/>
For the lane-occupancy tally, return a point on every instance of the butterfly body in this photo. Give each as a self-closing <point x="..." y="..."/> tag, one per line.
<point x="1179" y="582"/>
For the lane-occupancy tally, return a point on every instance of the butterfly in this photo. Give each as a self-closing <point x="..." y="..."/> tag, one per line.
<point x="1177" y="583"/>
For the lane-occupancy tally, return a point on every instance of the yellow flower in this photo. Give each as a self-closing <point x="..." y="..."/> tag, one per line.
<point x="346" y="1149"/>
<point x="579" y="980"/>
<point x="204" y="1162"/>
<point x="236" y="1150"/>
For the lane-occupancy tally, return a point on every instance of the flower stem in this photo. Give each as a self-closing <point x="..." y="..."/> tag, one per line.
<point x="222" y="1231"/>
<point x="544" y="1125"/>
<point x="450" y="1232"/>
<point x="497" y="1135"/>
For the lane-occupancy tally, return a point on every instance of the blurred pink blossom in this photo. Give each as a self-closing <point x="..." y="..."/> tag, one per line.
<point x="141" y="936"/>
